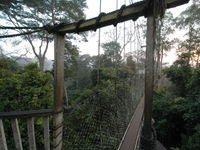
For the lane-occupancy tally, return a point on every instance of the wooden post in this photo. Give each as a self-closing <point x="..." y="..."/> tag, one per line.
<point x="46" y="133"/>
<point x="149" y="76"/>
<point x="58" y="90"/>
<point x="31" y="133"/>
<point x="3" y="143"/>
<point x="16" y="134"/>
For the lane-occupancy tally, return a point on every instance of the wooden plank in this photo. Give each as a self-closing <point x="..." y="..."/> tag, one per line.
<point x="31" y="134"/>
<point x="130" y="12"/>
<point x="16" y="134"/>
<point x="3" y="143"/>
<point x="130" y="138"/>
<point x="46" y="133"/>
<point x="26" y="114"/>
<point x="58" y="91"/>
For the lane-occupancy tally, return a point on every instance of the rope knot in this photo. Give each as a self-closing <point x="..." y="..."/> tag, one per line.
<point x="98" y="20"/>
<point x="48" y="28"/>
<point x="78" y="25"/>
<point x="155" y="7"/>
<point x="119" y="15"/>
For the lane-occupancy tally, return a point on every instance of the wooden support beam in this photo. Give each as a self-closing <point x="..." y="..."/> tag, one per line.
<point x="58" y="90"/>
<point x="59" y="72"/>
<point x="16" y="134"/>
<point x="3" y="143"/>
<point x="149" y="76"/>
<point x="133" y="11"/>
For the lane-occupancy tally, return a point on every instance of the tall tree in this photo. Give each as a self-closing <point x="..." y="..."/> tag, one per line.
<point x="39" y="13"/>
<point x="164" y="41"/>
<point x="112" y="53"/>
<point x="189" y="20"/>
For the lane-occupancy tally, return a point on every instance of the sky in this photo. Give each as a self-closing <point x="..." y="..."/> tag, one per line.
<point x="91" y="47"/>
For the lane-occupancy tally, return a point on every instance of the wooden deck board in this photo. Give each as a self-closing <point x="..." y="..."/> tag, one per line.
<point x="130" y="138"/>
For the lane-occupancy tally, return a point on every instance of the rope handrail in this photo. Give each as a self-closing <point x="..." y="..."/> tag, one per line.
<point x="26" y="114"/>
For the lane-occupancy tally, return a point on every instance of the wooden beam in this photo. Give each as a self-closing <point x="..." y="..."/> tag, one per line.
<point x="59" y="72"/>
<point x="133" y="11"/>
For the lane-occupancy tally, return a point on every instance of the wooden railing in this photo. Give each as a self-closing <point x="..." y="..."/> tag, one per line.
<point x="29" y="116"/>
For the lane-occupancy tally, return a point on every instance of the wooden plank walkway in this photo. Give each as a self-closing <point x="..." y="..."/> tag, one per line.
<point x="130" y="138"/>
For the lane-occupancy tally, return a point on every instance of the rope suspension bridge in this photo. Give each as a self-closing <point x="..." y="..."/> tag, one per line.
<point x="125" y="123"/>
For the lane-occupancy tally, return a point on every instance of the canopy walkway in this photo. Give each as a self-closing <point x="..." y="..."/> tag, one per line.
<point x="133" y="124"/>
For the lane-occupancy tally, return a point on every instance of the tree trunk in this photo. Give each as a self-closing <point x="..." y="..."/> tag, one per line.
<point x="158" y="51"/>
<point x="41" y="63"/>
<point x="53" y="11"/>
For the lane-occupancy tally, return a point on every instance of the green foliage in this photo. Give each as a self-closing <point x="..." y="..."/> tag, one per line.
<point x="91" y="116"/>
<point x="27" y="90"/>
<point x="105" y="75"/>
<point x="112" y="55"/>
<point x="70" y="59"/>
<point x="180" y="73"/>
<point x="102" y="106"/>
<point x="40" y="13"/>
<point x="7" y="67"/>
<point x="190" y="20"/>
<point x="193" y="141"/>
<point x="168" y="111"/>
<point x="177" y="110"/>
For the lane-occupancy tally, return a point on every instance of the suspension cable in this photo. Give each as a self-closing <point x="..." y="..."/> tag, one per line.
<point x="99" y="48"/>
<point x="98" y="80"/>
<point x="124" y="36"/>
<point x="20" y="34"/>
<point x="14" y="28"/>
<point x="116" y="25"/>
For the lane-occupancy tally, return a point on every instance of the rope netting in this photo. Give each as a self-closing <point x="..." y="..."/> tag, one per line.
<point x="99" y="121"/>
<point x="102" y="122"/>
